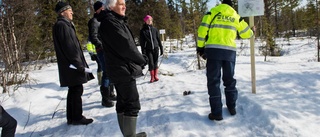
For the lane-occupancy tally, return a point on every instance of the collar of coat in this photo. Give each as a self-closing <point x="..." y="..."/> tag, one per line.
<point x="105" y="13"/>
<point x="62" y="18"/>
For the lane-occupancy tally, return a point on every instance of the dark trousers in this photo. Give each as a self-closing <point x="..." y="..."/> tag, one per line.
<point x="153" y="56"/>
<point x="8" y="124"/>
<point x="127" y="98"/>
<point x="74" y="103"/>
<point x="213" y="83"/>
<point x="99" y="69"/>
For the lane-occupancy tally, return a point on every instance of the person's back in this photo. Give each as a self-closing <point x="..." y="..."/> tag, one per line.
<point x="216" y="44"/>
<point x="224" y="23"/>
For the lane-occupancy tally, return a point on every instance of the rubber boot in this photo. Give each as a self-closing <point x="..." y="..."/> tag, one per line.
<point x="152" y="76"/>
<point x="99" y="77"/>
<point x="106" y="101"/>
<point x="156" y="74"/>
<point x="129" y="127"/>
<point x="113" y="96"/>
<point x="120" y="121"/>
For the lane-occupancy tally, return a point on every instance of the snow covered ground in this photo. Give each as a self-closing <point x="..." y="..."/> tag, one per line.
<point x="286" y="102"/>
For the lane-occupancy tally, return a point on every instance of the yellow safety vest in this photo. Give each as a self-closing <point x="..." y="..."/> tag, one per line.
<point x="91" y="48"/>
<point x="223" y="30"/>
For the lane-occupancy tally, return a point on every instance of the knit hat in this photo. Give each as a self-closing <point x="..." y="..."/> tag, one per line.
<point x="146" y="18"/>
<point x="229" y="2"/>
<point x="97" y="5"/>
<point x="61" y="6"/>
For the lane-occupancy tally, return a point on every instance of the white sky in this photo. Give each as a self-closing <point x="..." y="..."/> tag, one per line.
<point x="286" y="103"/>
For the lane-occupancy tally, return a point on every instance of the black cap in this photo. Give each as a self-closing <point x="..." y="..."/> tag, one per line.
<point x="97" y="5"/>
<point x="62" y="6"/>
<point x="229" y="2"/>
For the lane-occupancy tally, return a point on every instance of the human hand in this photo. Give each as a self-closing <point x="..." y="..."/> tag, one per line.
<point x="200" y="52"/>
<point x="253" y="28"/>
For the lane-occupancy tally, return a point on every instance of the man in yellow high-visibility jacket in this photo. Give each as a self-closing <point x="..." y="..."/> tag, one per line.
<point x="216" y="44"/>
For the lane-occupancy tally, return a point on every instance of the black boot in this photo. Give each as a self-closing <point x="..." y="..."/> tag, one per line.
<point x="113" y="96"/>
<point x="105" y="93"/>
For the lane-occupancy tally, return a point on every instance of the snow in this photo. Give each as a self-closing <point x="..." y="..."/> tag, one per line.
<point x="286" y="102"/>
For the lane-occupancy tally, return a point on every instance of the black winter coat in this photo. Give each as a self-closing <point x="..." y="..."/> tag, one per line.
<point x="149" y="39"/>
<point x="94" y="37"/>
<point x="68" y="51"/>
<point x="123" y="59"/>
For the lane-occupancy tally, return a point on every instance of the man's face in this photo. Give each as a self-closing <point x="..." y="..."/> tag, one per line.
<point x="120" y="7"/>
<point x="68" y="14"/>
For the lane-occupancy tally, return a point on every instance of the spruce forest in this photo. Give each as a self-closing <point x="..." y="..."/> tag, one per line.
<point x="26" y="27"/>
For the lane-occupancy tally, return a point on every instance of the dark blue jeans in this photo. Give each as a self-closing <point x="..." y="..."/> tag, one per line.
<point x="105" y="82"/>
<point x="214" y="68"/>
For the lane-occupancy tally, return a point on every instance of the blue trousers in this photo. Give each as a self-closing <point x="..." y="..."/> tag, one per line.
<point x="214" y="68"/>
<point x="105" y="82"/>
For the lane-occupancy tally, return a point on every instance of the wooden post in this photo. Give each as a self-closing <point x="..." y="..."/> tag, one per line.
<point x="162" y="39"/>
<point x="253" y="68"/>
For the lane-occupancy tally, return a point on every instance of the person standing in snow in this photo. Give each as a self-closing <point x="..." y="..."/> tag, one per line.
<point x="71" y="63"/>
<point x="93" y="55"/>
<point x="150" y="45"/>
<point x="106" y="87"/>
<point x="7" y="123"/>
<point x="124" y="64"/>
<point x="216" y="44"/>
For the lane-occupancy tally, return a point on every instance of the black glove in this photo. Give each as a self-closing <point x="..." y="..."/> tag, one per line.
<point x="200" y="52"/>
<point x="161" y="52"/>
<point x="93" y="57"/>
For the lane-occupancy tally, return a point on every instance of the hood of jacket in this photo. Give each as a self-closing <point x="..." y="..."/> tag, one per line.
<point x="225" y="9"/>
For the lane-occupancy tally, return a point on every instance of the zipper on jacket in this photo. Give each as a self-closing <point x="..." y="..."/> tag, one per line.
<point x="151" y="38"/>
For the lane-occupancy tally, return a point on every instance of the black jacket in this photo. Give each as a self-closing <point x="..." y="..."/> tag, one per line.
<point x="68" y="51"/>
<point x="123" y="59"/>
<point x="94" y="37"/>
<point x="149" y="39"/>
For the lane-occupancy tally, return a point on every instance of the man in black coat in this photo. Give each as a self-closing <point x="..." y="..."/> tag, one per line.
<point x="106" y="88"/>
<point x="71" y="63"/>
<point x="124" y="64"/>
